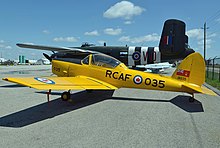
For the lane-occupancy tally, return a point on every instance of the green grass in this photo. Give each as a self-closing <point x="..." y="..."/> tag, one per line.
<point x="211" y="76"/>
<point x="215" y="83"/>
<point x="213" y="80"/>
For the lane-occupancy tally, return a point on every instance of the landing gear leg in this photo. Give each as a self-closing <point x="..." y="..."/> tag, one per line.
<point x="48" y="95"/>
<point x="65" y="96"/>
<point x="192" y="99"/>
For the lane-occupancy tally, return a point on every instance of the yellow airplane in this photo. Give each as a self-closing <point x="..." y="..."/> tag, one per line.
<point x="102" y="72"/>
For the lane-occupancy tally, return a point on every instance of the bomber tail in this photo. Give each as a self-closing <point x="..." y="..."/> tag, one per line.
<point x="174" y="41"/>
<point x="192" y="71"/>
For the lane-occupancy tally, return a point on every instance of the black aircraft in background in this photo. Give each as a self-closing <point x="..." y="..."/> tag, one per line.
<point x="173" y="46"/>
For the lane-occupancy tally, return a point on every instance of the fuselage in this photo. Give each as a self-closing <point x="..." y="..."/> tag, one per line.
<point x="131" y="56"/>
<point x="119" y="76"/>
<point x="134" y="55"/>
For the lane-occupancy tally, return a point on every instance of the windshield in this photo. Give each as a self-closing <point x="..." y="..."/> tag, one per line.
<point x="104" y="61"/>
<point x="86" y="60"/>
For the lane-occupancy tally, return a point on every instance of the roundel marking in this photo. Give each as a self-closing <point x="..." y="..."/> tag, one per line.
<point x="136" y="56"/>
<point x="137" y="79"/>
<point x="45" y="80"/>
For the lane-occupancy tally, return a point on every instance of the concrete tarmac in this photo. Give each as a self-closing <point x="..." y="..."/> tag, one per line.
<point x="123" y="118"/>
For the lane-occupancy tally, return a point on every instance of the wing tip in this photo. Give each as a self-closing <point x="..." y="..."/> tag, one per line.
<point x="19" y="44"/>
<point x="5" y="79"/>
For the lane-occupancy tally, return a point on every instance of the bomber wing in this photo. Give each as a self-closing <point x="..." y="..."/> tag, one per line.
<point x="50" y="48"/>
<point x="40" y="47"/>
<point x="62" y="83"/>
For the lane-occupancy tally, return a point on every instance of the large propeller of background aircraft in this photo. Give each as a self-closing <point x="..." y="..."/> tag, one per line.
<point x="173" y="46"/>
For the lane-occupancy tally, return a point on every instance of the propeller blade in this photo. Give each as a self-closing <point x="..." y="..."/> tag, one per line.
<point x="47" y="56"/>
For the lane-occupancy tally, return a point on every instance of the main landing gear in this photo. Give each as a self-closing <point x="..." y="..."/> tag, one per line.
<point x="65" y="96"/>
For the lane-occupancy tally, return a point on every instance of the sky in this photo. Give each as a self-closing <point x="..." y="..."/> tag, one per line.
<point x="67" y="23"/>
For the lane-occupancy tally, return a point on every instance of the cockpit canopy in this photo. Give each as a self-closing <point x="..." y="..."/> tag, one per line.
<point x="101" y="60"/>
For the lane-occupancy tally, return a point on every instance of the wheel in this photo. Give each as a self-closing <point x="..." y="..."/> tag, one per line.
<point x="191" y="99"/>
<point x="65" y="96"/>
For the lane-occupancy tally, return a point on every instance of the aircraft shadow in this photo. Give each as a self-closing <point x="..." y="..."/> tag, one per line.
<point x="81" y="99"/>
<point x="183" y="103"/>
<point x="53" y="108"/>
<point x="52" y="93"/>
<point x="136" y="99"/>
<point x="180" y="101"/>
<point x="12" y="86"/>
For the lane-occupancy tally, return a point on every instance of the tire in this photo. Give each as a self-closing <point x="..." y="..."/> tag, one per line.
<point x="191" y="99"/>
<point x="65" y="96"/>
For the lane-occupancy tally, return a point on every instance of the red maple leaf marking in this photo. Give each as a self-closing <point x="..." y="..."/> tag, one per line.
<point x="181" y="72"/>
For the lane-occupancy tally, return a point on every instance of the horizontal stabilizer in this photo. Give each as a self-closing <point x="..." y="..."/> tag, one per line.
<point x="207" y="91"/>
<point x="197" y="89"/>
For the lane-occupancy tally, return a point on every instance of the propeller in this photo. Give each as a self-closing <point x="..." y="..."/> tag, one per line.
<point x="47" y="56"/>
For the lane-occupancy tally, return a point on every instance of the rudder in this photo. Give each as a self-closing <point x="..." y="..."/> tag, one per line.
<point x="191" y="70"/>
<point x="174" y="41"/>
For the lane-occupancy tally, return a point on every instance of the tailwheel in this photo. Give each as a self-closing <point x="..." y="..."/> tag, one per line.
<point x="65" y="96"/>
<point x="191" y="98"/>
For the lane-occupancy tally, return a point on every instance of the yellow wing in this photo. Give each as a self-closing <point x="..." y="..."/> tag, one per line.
<point x="62" y="83"/>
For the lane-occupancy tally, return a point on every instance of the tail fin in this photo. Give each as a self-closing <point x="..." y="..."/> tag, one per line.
<point x="174" y="41"/>
<point x="191" y="70"/>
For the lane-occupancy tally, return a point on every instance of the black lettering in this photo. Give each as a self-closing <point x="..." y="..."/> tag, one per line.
<point x="154" y="84"/>
<point x="181" y="78"/>
<point x="121" y="77"/>
<point x="127" y="76"/>
<point x="114" y="75"/>
<point x="147" y="81"/>
<point x="56" y="69"/>
<point x="117" y="75"/>
<point x="161" y="84"/>
<point x="108" y="73"/>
